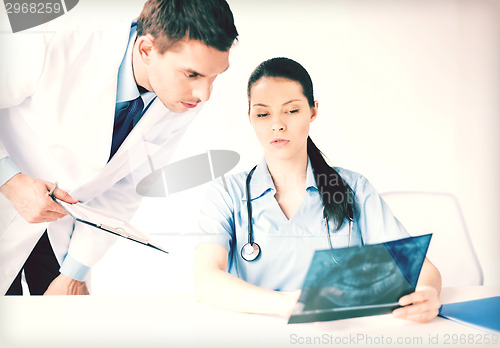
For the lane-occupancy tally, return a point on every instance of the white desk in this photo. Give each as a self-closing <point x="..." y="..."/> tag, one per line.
<point x="179" y="321"/>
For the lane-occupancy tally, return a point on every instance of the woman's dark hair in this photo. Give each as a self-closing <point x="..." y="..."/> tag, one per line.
<point x="169" y="21"/>
<point x="336" y="195"/>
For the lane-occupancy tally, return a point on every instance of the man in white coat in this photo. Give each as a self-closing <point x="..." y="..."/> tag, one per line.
<point x="86" y="104"/>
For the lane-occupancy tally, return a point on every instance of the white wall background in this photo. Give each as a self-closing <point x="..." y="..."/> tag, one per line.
<point x="409" y="97"/>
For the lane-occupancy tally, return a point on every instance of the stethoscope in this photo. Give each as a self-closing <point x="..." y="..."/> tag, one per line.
<point x="251" y="250"/>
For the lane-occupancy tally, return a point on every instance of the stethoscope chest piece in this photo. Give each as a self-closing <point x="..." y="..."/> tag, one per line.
<point x="250" y="251"/>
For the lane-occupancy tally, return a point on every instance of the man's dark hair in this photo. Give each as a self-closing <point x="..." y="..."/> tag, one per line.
<point x="170" y="21"/>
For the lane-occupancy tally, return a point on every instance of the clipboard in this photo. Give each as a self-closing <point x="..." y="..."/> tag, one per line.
<point x="360" y="281"/>
<point x="92" y="217"/>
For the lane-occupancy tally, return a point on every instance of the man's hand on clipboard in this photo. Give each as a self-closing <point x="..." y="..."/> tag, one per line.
<point x="32" y="198"/>
<point x="93" y="217"/>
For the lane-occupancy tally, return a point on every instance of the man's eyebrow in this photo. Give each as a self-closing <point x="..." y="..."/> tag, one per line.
<point x="194" y="72"/>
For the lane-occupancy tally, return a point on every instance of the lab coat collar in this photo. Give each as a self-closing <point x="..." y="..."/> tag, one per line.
<point x="157" y="112"/>
<point x="127" y="87"/>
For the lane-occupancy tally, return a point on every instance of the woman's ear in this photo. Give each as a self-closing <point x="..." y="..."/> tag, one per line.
<point x="314" y="111"/>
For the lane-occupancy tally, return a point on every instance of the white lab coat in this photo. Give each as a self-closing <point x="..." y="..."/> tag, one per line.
<point x="57" y="101"/>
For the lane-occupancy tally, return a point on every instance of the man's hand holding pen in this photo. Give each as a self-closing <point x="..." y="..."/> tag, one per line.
<point x="31" y="198"/>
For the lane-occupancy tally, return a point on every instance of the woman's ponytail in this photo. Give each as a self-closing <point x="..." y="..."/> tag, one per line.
<point x="336" y="195"/>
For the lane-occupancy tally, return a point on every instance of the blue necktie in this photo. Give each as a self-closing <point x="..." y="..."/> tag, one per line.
<point x="124" y="122"/>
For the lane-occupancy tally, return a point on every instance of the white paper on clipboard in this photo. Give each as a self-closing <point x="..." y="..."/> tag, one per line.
<point x="99" y="220"/>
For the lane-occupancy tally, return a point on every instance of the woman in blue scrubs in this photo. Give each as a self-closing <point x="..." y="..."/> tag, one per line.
<point x="299" y="204"/>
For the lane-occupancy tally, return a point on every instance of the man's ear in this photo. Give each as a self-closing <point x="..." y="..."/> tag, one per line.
<point x="314" y="111"/>
<point x="145" y="47"/>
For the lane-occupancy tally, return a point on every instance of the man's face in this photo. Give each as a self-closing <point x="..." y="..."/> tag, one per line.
<point x="182" y="76"/>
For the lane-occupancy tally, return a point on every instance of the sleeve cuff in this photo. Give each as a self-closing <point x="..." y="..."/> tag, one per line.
<point x="7" y="170"/>
<point x="74" y="269"/>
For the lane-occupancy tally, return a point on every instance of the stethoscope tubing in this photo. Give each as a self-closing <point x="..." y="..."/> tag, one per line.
<point x="251" y="250"/>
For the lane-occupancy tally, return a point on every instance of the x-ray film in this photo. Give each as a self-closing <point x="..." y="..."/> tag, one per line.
<point x="360" y="281"/>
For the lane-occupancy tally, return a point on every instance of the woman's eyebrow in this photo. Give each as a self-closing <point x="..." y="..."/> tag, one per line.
<point x="260" y="104"/>
<point x="285" y="103"/>
<point x="291" y="101"/>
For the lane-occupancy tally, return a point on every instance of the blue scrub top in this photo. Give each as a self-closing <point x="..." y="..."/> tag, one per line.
<point x="287" y="246"/>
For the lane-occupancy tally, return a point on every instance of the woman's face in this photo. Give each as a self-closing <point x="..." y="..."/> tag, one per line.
<point x="281" y="117"/>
